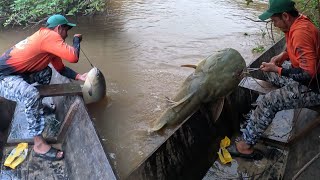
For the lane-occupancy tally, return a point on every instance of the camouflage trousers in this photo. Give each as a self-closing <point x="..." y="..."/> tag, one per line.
<point x="18" y="88"/>
<point x="290" y="95"/>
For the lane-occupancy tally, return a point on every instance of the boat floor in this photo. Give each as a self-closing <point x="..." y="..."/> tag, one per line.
<point x="272" y="166"/>
<point x="33" y="168"/>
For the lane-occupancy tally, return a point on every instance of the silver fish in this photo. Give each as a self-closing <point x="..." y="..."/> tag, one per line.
<point x="214" y="78"/>
<point x="94" y="87"/>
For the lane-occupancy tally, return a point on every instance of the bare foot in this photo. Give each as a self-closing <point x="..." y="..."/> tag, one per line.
<point x="42" y="147"/>
<point x="244" y="148"/>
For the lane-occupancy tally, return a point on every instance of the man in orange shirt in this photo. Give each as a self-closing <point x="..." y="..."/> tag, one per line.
<point x="298" y="83"/>
<point x="27" y="62"/>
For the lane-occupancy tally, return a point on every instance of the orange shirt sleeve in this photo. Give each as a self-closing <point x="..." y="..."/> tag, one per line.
<point x="54" y="44"/>
<point x="58" y="64"/>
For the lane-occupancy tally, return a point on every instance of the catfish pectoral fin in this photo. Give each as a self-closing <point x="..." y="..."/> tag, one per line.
<point x="181" y="101"/>
<point x="189" y="65"/>
<point x="217" y="109"/>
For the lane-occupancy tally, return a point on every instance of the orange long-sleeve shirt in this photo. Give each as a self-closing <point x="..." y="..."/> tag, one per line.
<point x="302" y="42"/>
<point x="36" y="52"/>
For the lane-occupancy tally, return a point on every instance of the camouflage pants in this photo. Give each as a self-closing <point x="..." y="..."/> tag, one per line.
<point x="290" y="95"/>
<point x="18" y="88"/>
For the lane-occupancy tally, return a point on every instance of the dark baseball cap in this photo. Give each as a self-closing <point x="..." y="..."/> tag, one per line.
<point x="56" y="20"/>
<point x="277" y="6"/>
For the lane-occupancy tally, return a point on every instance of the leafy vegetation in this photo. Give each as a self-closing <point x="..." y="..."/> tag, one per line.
<point x="258" y="49"/>
<point x="309" y="8"/>
<point x="26" y="12"/>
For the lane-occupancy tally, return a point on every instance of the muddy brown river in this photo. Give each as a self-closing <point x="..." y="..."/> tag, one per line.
<point x="139" y="46"/>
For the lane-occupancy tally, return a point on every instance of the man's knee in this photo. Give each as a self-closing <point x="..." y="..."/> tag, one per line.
<point x="44" y="76"/>
<point x="31" y="97"/>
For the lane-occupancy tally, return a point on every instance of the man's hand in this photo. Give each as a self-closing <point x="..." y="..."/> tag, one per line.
<point x="79" y="36"/>
<point x="81" y="77"/>
<point x="269" y="67"/>
<point x="277" y="60"/>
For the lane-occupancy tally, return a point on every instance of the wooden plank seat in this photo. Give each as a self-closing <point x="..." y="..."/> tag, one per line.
<point x="280" y="124"/>
<point x="18" y="129"/>
<point x="65" y="89"/>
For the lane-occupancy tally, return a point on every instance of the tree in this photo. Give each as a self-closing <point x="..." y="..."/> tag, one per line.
<point x="27" y="12"/>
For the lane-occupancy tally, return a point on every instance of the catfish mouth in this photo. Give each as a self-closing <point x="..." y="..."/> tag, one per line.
<point x="240" y="73"/>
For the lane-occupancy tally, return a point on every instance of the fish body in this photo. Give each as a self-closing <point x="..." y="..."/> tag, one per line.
<point x="94" y="87"/>
<point x="214" y="78"/>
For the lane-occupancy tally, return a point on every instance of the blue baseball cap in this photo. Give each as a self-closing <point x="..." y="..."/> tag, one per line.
<point x="56" y="20"/>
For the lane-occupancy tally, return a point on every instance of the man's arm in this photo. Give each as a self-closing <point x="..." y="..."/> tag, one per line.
<point x="66" y="71"/>
<point x="54" y="44"/>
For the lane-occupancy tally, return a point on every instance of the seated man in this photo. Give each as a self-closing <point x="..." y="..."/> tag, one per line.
<point x="299" y="83"/>
<point x="27" y="62"/>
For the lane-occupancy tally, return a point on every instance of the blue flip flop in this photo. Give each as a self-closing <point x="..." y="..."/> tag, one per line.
<point x="51" y="155"/>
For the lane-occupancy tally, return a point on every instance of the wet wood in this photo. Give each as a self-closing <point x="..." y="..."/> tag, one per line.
<point x="305" y="166"/>
<point x="65" y="89"/>
<point x="68" y="119"/>
<point x="306" y="130"/>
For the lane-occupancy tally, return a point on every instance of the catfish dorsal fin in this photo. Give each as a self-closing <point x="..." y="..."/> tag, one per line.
<point x="189" y="65"/>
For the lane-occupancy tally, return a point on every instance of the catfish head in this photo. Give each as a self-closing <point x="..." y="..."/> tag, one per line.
<point x="221" y="73"/>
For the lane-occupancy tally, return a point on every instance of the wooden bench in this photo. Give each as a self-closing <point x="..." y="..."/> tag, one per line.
<point x="66" y="89"/>
<point x="262" y="87"/>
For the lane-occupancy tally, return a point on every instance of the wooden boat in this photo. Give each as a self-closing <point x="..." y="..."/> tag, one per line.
<point x="191" y="150"/>
<point x="74" y="132"/>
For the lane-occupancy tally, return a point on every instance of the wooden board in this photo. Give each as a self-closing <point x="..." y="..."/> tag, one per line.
<point x="65" y="89"/>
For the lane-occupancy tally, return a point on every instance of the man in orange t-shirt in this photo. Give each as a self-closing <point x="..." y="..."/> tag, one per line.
<point x="298" y="83"/>
<point x="27" y="62"/>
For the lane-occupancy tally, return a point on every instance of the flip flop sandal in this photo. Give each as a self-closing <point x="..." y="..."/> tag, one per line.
<point x="51" y="155"/>
<point x="256" y="155"/>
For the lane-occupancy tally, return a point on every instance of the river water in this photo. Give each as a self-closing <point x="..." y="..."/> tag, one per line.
<point x="139" y="46"/>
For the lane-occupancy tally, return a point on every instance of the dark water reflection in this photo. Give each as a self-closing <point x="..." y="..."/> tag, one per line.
<point x="139" y="46"/>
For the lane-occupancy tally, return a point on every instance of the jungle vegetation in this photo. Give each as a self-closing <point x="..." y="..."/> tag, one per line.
<point x="31" y="12"/>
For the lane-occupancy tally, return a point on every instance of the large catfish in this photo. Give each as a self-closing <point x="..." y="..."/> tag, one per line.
<point x="214" y="78"/>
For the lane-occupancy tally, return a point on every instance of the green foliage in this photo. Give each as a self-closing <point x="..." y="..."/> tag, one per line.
<point x="309" y="8"/>
<point x="24" y="12"/>
<point x="258" y="49"/>
<point x="306" y="7"/>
